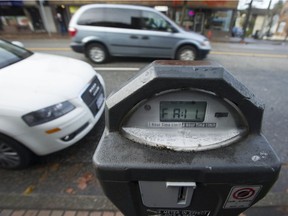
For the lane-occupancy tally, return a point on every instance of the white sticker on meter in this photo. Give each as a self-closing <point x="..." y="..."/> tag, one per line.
<point x="242" y="196"/>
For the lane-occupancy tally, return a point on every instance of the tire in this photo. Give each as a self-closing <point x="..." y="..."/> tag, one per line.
<point x="13" y="155"/>
<point x="186" y="53"/>
<point x="97" y="53"/>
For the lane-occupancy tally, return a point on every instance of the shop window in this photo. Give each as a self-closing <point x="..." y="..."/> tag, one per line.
<point x="220" y="20"/>
<point x="73" y="9"/>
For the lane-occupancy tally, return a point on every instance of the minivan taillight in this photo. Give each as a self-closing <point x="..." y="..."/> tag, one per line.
<point x="72" y="31"/>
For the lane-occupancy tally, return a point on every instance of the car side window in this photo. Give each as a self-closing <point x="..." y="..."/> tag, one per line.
<point x="111" y="17"/>
<point x="92" y="17"/>
<point x="154" y="22"/>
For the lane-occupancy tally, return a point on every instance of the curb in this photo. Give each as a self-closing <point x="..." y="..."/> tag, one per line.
<point x="101" y="203"/>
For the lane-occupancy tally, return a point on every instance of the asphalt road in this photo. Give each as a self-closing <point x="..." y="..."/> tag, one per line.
<point x="67" y="179"/>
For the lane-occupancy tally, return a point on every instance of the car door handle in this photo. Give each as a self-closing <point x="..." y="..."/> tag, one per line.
<point x="133" y="37"/>
<point x="145" y="38"/>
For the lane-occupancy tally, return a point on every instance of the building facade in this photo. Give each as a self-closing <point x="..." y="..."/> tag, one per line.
<point x="202" y="16"/>
<point x="282" y="28"/>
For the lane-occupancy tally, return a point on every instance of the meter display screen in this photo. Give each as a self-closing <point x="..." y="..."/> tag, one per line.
<point x="185" y="120"/>
<point x="182" y="111"/>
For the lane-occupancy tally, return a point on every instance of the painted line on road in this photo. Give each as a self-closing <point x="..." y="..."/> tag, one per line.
<point x="115" y="69"/>
<point x="48" y="49"/>
<point x="212" y="52"/>
<point x="249" y="54"/>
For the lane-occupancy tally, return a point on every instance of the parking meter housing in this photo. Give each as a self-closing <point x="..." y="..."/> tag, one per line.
<point x="146" y="180"/>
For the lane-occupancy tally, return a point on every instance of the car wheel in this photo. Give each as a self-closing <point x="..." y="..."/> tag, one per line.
<point x="186" y="53"/>
<point x="13" y="155"/>
<point x="97" y="53"/>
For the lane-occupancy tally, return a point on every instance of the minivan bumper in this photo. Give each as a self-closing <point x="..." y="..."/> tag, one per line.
<point x="202" y="54"/>
<point x="76" y="47"/>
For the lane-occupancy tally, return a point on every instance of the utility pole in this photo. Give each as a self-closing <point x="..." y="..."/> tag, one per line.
<point x="247" y="20"/>
<point x="43" y="13"/>
<point x="269" y="18"/>
<point x="183" y="14"/>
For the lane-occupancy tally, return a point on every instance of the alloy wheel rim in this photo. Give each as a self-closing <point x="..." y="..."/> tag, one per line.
<point x="187" y="55"/>
<point x="97" y="54"/>
<point x="8" y="156"/>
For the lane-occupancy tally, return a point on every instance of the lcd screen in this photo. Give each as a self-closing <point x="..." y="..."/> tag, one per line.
<point x="182" y="111"/>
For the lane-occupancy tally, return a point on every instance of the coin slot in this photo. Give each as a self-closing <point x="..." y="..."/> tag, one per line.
<point x="182" y="195"/>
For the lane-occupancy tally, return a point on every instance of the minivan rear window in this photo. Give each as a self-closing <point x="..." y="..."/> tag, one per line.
<point x="111" y="17"/>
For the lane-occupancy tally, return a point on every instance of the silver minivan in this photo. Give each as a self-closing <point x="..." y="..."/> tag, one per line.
<point x="104" y="30"/>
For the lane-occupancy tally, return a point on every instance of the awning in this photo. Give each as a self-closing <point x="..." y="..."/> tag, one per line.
<point x="18" y="3"/>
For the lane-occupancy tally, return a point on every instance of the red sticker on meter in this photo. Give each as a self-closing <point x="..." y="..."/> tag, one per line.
<point x="242" y="196"/>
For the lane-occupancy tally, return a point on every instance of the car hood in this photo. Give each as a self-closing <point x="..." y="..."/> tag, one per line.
<point x="194" y="35"/>
<point x="42" y="80"/>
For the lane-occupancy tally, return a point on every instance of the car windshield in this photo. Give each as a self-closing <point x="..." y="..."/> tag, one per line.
<point x="10" y="54"/>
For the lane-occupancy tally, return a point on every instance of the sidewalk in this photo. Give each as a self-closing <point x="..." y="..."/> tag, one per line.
<point x="275" y="211"/>
<point x="278" y="196"/>
<point x="10" y="212"/>
<point x="246" y="40"/>
<point x="14" y="36"/>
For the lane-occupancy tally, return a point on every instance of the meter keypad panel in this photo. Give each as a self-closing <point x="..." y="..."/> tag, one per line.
<point x="185" y="120"/>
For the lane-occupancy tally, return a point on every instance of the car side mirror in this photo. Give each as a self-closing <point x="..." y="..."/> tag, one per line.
<point x="18" y="43"/>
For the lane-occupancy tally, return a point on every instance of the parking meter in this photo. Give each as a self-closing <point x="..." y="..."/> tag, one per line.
<point x="184" y="138"/>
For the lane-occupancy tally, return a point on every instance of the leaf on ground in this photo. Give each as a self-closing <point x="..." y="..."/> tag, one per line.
<point x="29" y="190"/>
<point x="84" y="180"/>
<point x="70" y="191"/>
<point x="55" y="167"/>
<point x="43" y="177"/>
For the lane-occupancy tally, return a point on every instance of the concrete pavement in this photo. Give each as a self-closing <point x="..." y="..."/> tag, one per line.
<point x="40" y="199"/>
<point x="275" y="211"/>
<point x="32" y="212"/>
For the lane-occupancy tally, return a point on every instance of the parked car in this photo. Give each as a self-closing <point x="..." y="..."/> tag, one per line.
<point x="104" y="30"/>
<point x="47" y="103"/>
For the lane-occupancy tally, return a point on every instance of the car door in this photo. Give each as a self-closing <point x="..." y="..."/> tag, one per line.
<point x="156" y="37"/>
<point x="122" y="28"/>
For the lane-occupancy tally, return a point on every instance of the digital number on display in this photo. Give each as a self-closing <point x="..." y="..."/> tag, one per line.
<point x="182" y="111"/>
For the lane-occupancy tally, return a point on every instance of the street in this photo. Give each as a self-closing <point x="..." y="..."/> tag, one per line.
<point x="67" y="178"/>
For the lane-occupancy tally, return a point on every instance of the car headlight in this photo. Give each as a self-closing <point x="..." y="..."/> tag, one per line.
<point x="205" y="43"/>
<point x="48" y="114"/>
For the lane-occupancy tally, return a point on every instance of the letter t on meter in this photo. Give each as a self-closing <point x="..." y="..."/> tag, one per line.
<point x="181" y="138"/>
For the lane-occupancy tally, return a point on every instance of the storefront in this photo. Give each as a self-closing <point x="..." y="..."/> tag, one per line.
<point x="19" y="16"/>
<point x="199" y="16"/>
<point x="202" y="16"/>
<point x="282" y="27"/>
<point x="206" y="17"/>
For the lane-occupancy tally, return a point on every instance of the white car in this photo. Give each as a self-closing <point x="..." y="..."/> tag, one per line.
<point x="47" y="103"/>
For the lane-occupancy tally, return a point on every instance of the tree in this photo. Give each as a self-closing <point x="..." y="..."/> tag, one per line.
<point x="277" y="8"/>
<point x="275" y="11"/>
<point x="246" y="22"/>
<point x="183" y="14"/>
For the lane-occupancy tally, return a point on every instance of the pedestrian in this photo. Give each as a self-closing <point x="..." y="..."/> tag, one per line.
<point x="61" y="23"/>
